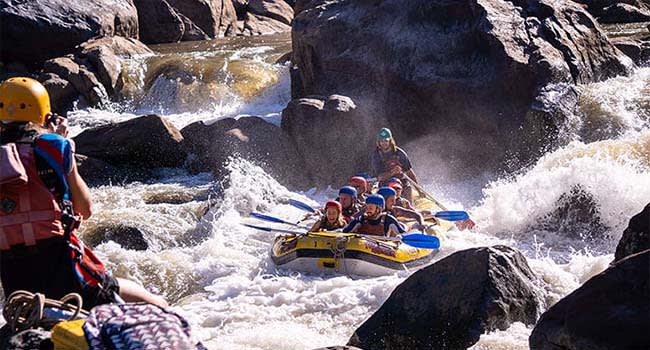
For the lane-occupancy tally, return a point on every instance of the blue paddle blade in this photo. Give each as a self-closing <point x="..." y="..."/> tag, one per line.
<point x="261" y="228"/>
<point x="268" y="218"/>
<point x="451" y="215"/>
<point x="300" y="205"/>
<point x="418" y="240"/>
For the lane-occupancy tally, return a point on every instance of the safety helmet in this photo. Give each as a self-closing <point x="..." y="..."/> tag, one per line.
<point x="376" y="200"/>
<point x="386" y="192"/>
<point x="348" y="190"/>
<point x="384" y="134"/>
<point x="395" y="185"/>
<point x="358" y="181"/>
<point x="394" y="179"/>
<point x="333" y="204"/>
<point x="23" y="100"/>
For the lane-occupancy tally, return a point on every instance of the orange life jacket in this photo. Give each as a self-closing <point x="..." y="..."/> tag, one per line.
<point x="375" y="229"/>
<point x="28" y="210"/>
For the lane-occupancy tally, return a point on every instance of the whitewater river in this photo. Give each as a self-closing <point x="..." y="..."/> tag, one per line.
<point x="566" y="212"/>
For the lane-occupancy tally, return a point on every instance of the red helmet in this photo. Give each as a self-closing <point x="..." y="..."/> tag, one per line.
<point x="358" y="181"/>
<point x="334" y="204"/>
<point x="395" y="185"/>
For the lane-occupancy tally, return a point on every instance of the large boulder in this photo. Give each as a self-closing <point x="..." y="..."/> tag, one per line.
<point x="319" y="124"/>
<point x="159" y="22"/>
<point x="624" y="13"/>
<point x="35" y="31"/>
<point x="608" y="312"/>
<point x="211" y="147"/>
<point x="636" y="237"/>
<point x="449" y="73"/>
<point x="145" y="142"/>
<point x="274" y="9"/>
<point x="215" y="17"/>
<point x="81" y="77"/>
<point x="97" y="172"/>
<point x="449" y="304"/>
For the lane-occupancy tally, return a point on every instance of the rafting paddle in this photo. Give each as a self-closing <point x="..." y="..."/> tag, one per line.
<point x="416" y="240"/>
<point x="300" y="205"/>
<point x="270" y="218"/>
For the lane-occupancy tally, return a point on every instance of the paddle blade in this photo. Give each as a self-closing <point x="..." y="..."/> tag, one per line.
<point x="451" y="215"/>
<point x="267" y="229"/>
<point x="300" y="205"/>
<point x="268" y="218"/>
<point x="418" y="240"/>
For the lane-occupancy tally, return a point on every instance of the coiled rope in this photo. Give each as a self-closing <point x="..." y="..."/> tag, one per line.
<point x="24" y="310"/>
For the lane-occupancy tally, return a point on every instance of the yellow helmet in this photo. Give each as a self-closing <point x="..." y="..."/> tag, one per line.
<point x="23" y="100"/>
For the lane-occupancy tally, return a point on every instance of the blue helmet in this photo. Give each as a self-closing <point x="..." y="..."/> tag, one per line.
<point x="348" y="190"/>
<point x="376" y="200"/>
<point x="386" y="192"/>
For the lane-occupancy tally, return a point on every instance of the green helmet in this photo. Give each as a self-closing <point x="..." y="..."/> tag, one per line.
<point x="384" y="134"/>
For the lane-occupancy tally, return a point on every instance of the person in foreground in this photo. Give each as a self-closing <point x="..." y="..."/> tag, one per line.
<point x="375" y="221"/>
<point x="43" y="199"/>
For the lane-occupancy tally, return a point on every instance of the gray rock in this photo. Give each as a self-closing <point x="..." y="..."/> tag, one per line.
<point x="443" y="75"/>
<point x="192" y="31"/>
<point x="159" y="22"/>
<point x="278" y="10"/>
<point x="250" y="138"/>
<point x="623" y="13"/>
<point x="39" y="30"/>
<point x="145" y="142"/>
<point x="81" y="78"/>
<point x="636" y="237"/>
<point x="129" y="237"/>
<point x="62" y="93"/>
<point x="449" y="304"/>
<point x="97" y="172"/>
<point x="317" y="125"/>
<point x="608" y="312"/>
<point x="260" y="25"/>
<point x="214" y="17"/>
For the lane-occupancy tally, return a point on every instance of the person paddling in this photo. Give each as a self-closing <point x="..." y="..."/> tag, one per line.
<point x="43" y="199"/>
<point x="390" y="196"/>
<point x="389" y="161"/>
<point x="361" y="185"/>
<point x="349" y="202"/>
<point x="399" y="200"/>
<point x="374" y="220"/>
<point x="332" y="220"/>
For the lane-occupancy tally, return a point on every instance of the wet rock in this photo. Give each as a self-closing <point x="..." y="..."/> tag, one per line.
<point x="145" y="142"/>
<point x="96" y="172"/>
<point x="610" y="311"/>
<point x="449" y="304"/>
<point x="339" y="348"/>
<point x="623" y="13"/>
<point x="103" y="57"/>
<point x="128" y="237"/>
<point x="444" y="74"/>
<point x="120" y="46"/>
<point x="317" y="125"/>
<point x="637" y="49"/>
<point x="214" y="17"/>
<point x="169" y="198"/>
<point x="159" y="22"/>
<point x="577" y="216"/>
<point x="252" y="138"/>
<point x="39" y="30"/>
<point x="241" y="7"/>
<point x="80" y="76"/>
<point x="278" y="10"/>
<point x="636" y="237"/>
<point x="62" y="93"/>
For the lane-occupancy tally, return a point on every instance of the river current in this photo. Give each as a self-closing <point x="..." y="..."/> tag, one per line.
<point x="566" y="212"/>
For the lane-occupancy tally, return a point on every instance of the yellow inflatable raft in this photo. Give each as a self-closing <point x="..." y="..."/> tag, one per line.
<point x="352" y="254"/>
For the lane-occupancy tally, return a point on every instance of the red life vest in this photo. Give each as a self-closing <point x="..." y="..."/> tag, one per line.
<point x="375" y="229"/>
<point x="28" y="210"/>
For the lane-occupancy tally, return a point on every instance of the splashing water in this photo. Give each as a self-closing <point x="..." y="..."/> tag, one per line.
<point x="218" y="274"/>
